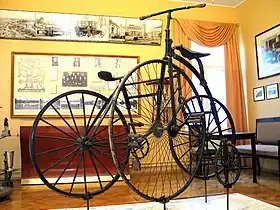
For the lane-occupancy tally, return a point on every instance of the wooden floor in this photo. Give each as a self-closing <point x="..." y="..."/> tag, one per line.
<point x="40" y="197"/>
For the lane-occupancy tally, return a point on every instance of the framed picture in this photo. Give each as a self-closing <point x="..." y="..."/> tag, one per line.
<point x="268" y="52"/>
<point x="258" y="93"/>
<point x="28" y="25"/>
<point x="37" y="78"/>
<point x="272" y="91"/>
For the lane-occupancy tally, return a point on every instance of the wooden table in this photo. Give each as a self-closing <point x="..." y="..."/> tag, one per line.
<point x="250" y="136"/>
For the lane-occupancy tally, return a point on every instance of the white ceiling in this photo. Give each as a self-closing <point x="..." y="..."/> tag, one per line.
<point x="231" y="3"/>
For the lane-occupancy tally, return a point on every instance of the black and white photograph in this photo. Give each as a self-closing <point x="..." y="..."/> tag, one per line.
<point x="117" y="63"/>
<point x="27" y="104"/>
<point x="97" y="62"/>
<point x="43" y="102"/>
<point x="74" y="79"/>
<point x="74" y="104"/>
<point x="258" y="93"/>
<point x="76" y="27"/>
<point x="77" y="62"/>
<point x="135" y="31"/>
<point x="272" y="91"/>
<point x="88" y="103"/>
<point x="54" y="61"/>
<point x="117" y="29"/>
<point x="90" y="28"/>
<point x="17" y="25"/>
<point x="142" y="32"/>
<point x="52" y="26"/>
<point x="99" y="104"/>
<point x="268" y="52"/>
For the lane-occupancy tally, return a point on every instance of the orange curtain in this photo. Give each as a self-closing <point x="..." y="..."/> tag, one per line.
<point x="213" y="34"/>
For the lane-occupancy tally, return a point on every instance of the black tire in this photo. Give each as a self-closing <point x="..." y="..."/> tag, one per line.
<point x="213" y="135"/>
<point x="149" y="149"/>
<point x="234" y="165"/>
<point x="84" y="142"/>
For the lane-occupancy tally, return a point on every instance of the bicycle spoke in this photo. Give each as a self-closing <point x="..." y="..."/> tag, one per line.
<point x="55" y="150"/>
<point x="56" y="138"/>
<point x="106" y="155"/>
<point x="57" y="128"/>
<point x="97" y="173"/>
<point x="77" y="169"/>
<point x="92" y="110"/>
<point x="73" y="119"/>
<point x="96" y="118"/>
<point x="66" y="168"/>
<point x="85" y="179"/>
<point x="64" y="120"/>
<point x="53" y="165"/>
<point x="84" y="112"/>
<point x="102" y="164"/>
<point x="106" y="127"/>
<point x="219" y="124"/>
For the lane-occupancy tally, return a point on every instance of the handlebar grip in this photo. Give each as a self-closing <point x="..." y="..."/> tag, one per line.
<point x="202" y="5"/>
<point x="144" y="17"/>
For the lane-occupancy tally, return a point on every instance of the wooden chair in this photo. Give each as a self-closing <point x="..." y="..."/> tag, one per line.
<point x="267" y="141"/>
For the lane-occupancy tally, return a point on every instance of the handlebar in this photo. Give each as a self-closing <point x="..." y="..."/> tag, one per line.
<point x="202" y="5"/>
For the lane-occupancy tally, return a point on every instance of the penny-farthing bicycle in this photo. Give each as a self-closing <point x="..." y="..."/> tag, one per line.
<point x="179" y="137"/>
<point x="158" y="128"/>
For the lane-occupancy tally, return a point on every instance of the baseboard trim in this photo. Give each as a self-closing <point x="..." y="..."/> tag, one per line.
<point x="67" y="180"/>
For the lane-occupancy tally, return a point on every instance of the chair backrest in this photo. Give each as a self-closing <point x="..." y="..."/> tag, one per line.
<point x="268" y="130"/>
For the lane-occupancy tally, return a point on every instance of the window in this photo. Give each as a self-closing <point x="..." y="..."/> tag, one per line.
<point x="214" y="72"/>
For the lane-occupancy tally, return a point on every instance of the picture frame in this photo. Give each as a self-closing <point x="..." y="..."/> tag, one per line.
<point x="37" y="78"/>
<point x="272" y="91"/>
<point x="49" y="26"/>
<point x="258" y="93"/>
<point x="267" y="44"/>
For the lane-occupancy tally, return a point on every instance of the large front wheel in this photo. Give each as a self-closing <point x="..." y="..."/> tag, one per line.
<point x="153" y="172"/>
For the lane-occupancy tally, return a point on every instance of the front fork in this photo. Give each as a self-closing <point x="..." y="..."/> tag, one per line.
<point x="160" y="90"/>
<point x="225" y="159"/>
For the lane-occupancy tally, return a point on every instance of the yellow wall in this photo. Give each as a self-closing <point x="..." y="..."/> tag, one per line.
<point x="256" y="16"/>
<point x="123" y="8"/>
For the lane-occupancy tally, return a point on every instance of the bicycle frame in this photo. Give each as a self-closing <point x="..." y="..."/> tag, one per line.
<point x="168" y="58"/>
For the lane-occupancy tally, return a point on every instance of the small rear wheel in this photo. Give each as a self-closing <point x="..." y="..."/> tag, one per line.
<point x="214" y="128"/>
<point x="228" y="162"/>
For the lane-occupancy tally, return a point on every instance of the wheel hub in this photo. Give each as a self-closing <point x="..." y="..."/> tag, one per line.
<point x="158" y="129"/>
<point x="84" y="142"/>
<point x="173" y="130"/>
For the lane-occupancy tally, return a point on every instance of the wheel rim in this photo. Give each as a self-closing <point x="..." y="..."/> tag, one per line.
<point x="159" y="177"/>
<point x="225" y="121"/>
<point x="74" y="146"/>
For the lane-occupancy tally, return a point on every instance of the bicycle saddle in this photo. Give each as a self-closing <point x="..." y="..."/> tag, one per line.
<point x="187" y="53"/>
<point x="107" y="76"/>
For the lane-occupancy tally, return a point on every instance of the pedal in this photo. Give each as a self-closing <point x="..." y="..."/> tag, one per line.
<point x="134" y="140"/>
<point x="134" y="144"/>
<point x="139" y="124"/>
<point x="136" y="165"/>
<point x="134" y="136"/>
<point x="195" y="117"/>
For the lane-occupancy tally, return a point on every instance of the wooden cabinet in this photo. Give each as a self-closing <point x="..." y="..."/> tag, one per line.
<point x="102" y="154"/>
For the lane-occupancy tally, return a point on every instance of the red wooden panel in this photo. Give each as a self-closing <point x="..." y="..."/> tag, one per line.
<point x="102" y="153"/>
